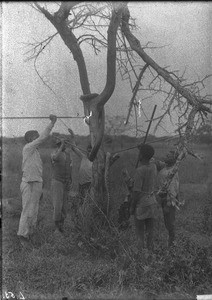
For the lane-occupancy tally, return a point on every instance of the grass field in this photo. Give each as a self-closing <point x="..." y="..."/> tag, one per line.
<point x="110" y="268"/>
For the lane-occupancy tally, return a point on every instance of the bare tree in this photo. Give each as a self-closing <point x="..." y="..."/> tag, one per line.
<point x="125" y="51"/>
<point x="187" y="96"/>
<point x="69" y="17"/>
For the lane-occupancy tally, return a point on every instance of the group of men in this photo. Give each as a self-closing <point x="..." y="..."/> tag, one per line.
<point x="143" y="200"/>
<point x="32" y="182"/>
<point x="145" y="193"/>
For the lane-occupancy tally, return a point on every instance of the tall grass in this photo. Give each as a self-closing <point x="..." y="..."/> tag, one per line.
<point x="109" y="266"/>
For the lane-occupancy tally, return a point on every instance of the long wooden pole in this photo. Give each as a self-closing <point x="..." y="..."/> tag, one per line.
<point x="67" y="117"/>
<point x="147" y="132"/>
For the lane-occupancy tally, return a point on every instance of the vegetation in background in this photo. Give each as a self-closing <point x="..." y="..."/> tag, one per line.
<point x="107" y="265"/>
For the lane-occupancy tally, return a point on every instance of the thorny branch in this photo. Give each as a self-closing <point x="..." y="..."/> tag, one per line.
<point x="190" y="96"/>
<point x="38" y="47"/>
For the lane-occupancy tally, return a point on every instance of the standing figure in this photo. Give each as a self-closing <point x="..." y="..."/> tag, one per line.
<point x="169" y="200"/>
<point x="32" y="181"/>
<point x="61" y="183"/>
<point x="144" y="205"/>
<point x="85" y="170"/>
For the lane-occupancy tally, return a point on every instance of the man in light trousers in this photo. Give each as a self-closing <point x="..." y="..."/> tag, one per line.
<point x="32" y="181"/>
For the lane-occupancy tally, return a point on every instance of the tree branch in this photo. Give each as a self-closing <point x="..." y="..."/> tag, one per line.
<point x="135" y="45"/>
<point x="71" y="42"/>
<point x="182" y="151"/>
<point x="45" y="12"/>
<point x="111" y="56"/>
<point x="64" y="10"/>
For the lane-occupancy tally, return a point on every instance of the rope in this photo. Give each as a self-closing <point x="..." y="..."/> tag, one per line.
<point x="67" y="142"/>
<point x="133" y="147"/>
<point x="63" y="123"/>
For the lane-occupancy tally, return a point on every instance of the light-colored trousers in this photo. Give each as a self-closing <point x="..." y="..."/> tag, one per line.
<point x="59" y="192"/>
<point x="31" y="193"/>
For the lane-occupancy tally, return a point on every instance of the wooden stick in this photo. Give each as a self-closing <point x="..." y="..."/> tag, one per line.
<point x="147" y="132"/>
<point x="150" y="123"/>
<point x="152" y="142"/>
<point x="135" y="90"/>
<point x="67" y="117"/>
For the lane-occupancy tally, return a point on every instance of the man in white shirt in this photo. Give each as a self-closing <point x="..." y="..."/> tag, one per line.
<point x="32" y="181"/>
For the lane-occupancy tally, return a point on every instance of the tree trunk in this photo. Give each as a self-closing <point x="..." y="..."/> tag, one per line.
<point x="93" y="103"/>
<point x="96" y="126"/>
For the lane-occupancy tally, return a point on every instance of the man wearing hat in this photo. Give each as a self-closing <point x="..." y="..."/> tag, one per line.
<point x="31" y="185"/>
<point x="169" y="201"/>
<point x="61" y="182"/>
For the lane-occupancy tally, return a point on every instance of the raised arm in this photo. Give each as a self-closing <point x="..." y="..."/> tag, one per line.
<point x="56" y="154"/>
<point x="159" y="164"/>
<point x="44" y="134"/>
<point x="74" y="147"/>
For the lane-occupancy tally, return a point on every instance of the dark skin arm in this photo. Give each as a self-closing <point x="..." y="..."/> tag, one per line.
<point x="159" y="164"/>
<point x="60" y="149"/>
<point x="76" y="150"/>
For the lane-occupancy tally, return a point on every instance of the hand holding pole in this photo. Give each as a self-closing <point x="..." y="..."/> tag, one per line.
<point x="147" y="132"/>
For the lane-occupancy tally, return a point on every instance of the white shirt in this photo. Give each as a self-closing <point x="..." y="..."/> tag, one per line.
<point x="32" y="166"/>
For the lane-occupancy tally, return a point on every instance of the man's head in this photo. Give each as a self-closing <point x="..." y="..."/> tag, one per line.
<point x="146" y="152"/>
<point x="170" y="158"/>
<point x="59" y="142"/>
<point x="31" y="135"/>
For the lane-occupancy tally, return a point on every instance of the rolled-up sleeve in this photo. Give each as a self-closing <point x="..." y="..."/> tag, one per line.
<point x="41" y="137"/>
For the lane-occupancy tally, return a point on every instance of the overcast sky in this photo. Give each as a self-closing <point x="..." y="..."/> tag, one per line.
<point x="185" y="26"/>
